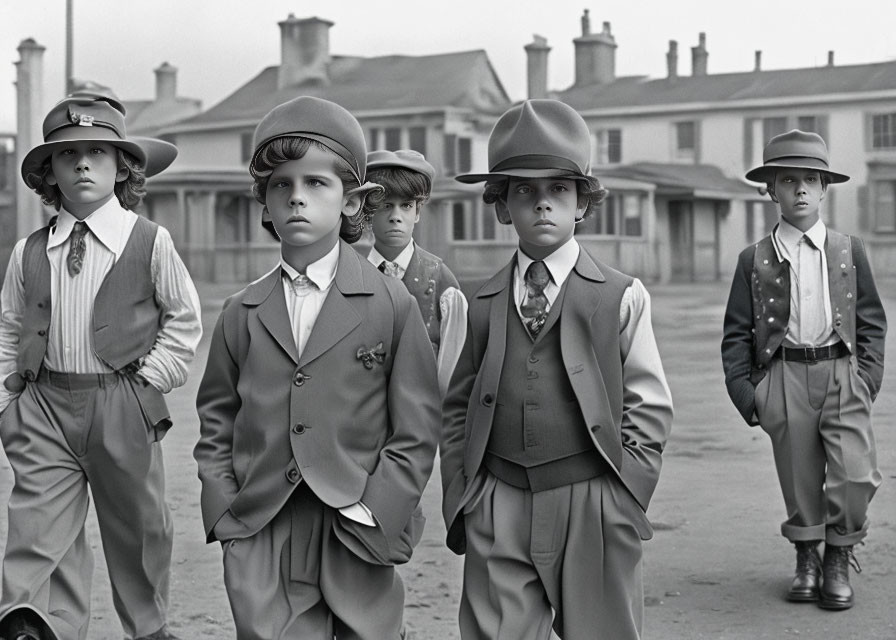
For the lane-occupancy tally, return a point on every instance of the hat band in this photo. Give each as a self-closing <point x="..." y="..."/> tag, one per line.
<point x="98" y="131"/>
<point x="329" y="143"/>
<point x="794" y="159"/>
<point x="532" y="161"/>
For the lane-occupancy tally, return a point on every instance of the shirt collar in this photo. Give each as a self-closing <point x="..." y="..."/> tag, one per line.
<point x="403" y="259"/>
<point x="787" y="237"/>
<point x="560" y="263"/>
<point x="322" y="273"/>
<point x="108" y="224"/>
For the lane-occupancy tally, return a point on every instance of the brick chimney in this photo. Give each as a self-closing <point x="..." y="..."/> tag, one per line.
<point x="595" y="54"/>
<point x="830" y="58"/>
<point x="166" y="82"/>
<point x="757" y="65"/>
<point x="304" y="51"/>
<point x="29" y="118"/>
<point x="537" y="66"/>
<point x="672" y="60"/>
<point x="699" y="56"/>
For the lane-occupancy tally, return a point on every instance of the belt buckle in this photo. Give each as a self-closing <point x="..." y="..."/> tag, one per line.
<point x="813" y="359"/>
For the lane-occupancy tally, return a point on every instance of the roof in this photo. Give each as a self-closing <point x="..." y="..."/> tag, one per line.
<point x="724" y="88"/>
<point x="146" y="117"/>
<point x="387" y="83"/>
<point x="694" y="180"/>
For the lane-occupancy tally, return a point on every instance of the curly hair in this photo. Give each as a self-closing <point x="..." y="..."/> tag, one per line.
<point x="591" y="193"/>
<point x="130" y="192"/>
<point x="397" y="182"/>
<point x="280" y="150"/>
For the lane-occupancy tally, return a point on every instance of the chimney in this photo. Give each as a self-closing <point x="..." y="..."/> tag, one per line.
<point x="830" y="58"/>
<point x="595" y="54"/>
<point x="757" y="65"/>
<point x="166" y="82"/>
<point x="672" y="60"/>
<point x="29" y="115"/>
<point x="304" y="51"/>
<point x="537" y="66"/>
<point x="699" y="56"/>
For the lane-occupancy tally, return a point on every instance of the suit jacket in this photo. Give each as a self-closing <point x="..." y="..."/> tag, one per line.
<point x="356" y="417"/>
<point x="630" y="439"/>
<point x="859" y="319"/>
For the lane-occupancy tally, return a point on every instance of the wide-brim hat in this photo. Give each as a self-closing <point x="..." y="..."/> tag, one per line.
<point x="537" y="139"/>
<point x="94" y="117"/>
<point x="794" y="150"/>
<point x="402" y="159"/>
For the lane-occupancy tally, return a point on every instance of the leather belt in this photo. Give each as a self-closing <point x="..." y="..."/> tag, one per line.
<point x="812" y="354"/>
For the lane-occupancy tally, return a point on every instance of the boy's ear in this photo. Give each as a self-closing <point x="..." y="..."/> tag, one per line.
<point x="353" y="200"/>
<point x="502" y="211"/>
<point x="122" y="174"/>
<point x="50" y="178"/>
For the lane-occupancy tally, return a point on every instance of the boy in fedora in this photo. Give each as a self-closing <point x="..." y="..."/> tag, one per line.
<point x="407" y="179"/>
<point x="318" y="416"/>
<point x="803" y="353"/>
<point x="99" y="319"/>
<point x="558" y="409"/>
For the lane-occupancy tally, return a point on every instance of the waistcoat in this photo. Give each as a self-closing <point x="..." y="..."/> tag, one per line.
<point x="427" y="279"/>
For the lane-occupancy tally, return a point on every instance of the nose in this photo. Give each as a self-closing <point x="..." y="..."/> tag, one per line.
<point x="296" y="198"/>
<point x="82" y="164"/>
<point x="394" y="215"/>
<point x="543" y="206"/>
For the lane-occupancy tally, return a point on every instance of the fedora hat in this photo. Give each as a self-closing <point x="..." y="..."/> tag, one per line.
<point x="537" y="139"/>
<point x="795" y="150"/>
<point x="403" y="159"/>
<point x="95" y="117"/>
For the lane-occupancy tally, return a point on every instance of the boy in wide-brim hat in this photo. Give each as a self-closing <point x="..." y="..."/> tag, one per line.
<point x="558" y="410"/>
<point x="319" y="404"/>
<point x="803" y="353"/>
<point x="99" y="319"/>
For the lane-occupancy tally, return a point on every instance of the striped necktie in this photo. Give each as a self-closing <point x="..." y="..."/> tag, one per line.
<point x="75" y="259"/>
<point x="535" y="307"/>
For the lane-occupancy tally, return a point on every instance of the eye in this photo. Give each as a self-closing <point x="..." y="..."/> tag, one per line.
<point x="280" y="184"/>
<point x="560" y="187"/>
<point x="315" y="182"/>
<point x="97" y="151"/>
<point x="523" y="189"/>
<point x="66" y="152"/>
<point x="407" y="206"/>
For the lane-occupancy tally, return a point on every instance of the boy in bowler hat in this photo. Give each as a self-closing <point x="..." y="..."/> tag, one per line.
<point x="318" y="416"/>
<point x="803" y="353"/>
<point x="558" y="410"/>
<point x="99" y="319"/>
<point x="407" y="179"/>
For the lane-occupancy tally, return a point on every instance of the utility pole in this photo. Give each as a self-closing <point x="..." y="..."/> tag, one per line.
<point x="69" y="46"/>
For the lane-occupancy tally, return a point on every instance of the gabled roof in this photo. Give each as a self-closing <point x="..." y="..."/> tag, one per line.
<point x="388" y="83"/>
<point x="721" y="88"/>
<point x="695" y="180"/>
<point x="147" y="117"/>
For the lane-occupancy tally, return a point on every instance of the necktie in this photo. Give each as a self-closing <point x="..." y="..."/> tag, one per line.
<point x="77" y="244"/>
<point x="389" y="268"/>
<point x="302" y="285"/>
<point x="535" y="306"/>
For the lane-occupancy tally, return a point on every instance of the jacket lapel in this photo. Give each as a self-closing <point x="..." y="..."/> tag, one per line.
<point x="267" y="295"/>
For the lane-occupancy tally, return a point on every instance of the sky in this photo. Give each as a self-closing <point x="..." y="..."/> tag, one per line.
<point x="218" y="45"/>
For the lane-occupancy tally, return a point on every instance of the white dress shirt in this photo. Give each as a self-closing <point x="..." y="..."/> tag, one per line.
<point x="70" y="338"/>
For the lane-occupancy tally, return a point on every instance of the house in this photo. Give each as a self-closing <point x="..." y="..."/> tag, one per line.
<point x="441" y="105"/>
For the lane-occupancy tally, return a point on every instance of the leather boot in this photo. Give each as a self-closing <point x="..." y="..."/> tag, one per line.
<point x="836" y="593"/>
<point x="807" y="577"/>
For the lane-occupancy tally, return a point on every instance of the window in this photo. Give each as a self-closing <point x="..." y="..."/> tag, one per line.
<point x="685" y="136"/>
<point x="607" y="146"/>
<point x="417" y="137"/>
<point x="458" y="154"/>
<point x="772" y="127"/>
<point x="246" y="146"/>
<point x="885" y="206"/>
<point x="459" y="221"/>
<point x="883" y="131"/>
<point x="619" y="214"/>
<point x="464" y="155"/>
<point x="393" y="138"/>
<point x="471" y="220"/>
<point x="373" y="138"/>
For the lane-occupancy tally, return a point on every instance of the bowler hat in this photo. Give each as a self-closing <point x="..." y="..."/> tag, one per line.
<point x="404" y="159"/>
<point x="796" y="150"/>
<point x="95" y="117"/>
<point x="537" y="139"/>
<point x="321" y="120"/>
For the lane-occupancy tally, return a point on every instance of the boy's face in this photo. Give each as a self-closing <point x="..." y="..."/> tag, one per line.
<point x="799" y="193"/>
<point x="85" y="172"/>
<point x="306" y="200"/>
<point x="543" y="212"/>
<point x="393" y="223"/>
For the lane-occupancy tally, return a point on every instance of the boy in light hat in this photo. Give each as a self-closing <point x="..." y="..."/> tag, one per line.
<point x="803" y="352"/>
<point x="99" y="319"/>
<point x="407" y="179"/>
<point x="318" y="416"/>
<point x="558" y="410"/>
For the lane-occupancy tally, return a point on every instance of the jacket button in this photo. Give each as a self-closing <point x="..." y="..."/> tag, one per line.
<point x="488" y="399"/>
<point x="40" y="305"/>
<point x="42" y="332"/>
<point x="299" y="427"/>
<point x="29" y="375"/>
<point x="292" y="475"/>
<point x="299" y="378"/>
<point x="533" y="359"/>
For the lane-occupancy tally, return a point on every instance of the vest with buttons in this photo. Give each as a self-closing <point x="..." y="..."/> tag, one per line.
<point x="537" y="417"/>
<point x="125" y="312"/>
<point x="427" y="278"/>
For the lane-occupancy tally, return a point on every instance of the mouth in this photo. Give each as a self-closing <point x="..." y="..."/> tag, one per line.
<point x="544" y="223"/>
<point x="395" y="232"/>
<point x="298" y="219"/>
<point x="801" y="203"/>
<point x="83" y="181"/>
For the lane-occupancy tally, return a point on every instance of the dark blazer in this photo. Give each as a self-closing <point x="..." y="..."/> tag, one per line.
<point x="748" y="347"/>
<point x="630" y="438"/>
<point x="356" y="417"/>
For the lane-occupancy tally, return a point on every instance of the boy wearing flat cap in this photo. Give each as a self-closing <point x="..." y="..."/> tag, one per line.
<point x="99" y="319"/>
<point x="558" y="410"/>
<point x="803" y="353"/>
<point x="407" y="179"/>
<point x="318" y="416"/>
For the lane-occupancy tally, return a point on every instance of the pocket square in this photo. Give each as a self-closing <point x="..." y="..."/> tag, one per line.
<point x="371" y="355"/>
